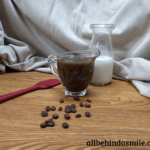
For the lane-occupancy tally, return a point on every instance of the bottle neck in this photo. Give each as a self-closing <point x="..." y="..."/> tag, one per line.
<point x="101" y="39"/>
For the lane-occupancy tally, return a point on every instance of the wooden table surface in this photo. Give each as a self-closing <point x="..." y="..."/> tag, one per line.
<point x="118" y="112"/>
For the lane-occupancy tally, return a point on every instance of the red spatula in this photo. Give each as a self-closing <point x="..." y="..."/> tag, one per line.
<point x="41" y="85"/>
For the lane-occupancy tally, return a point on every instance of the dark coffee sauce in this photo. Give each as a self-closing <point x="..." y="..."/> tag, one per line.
<point x="75" y="74"/>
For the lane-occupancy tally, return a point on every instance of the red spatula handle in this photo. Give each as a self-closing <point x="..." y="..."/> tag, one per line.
<point x="15" y="94"/>
<point x="40" y="85"/>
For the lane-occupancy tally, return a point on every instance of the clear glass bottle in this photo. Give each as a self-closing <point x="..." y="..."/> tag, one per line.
<point x="103" y="67"/>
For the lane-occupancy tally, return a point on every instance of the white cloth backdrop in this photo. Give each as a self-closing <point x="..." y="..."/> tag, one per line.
<point x="30" y="30"/>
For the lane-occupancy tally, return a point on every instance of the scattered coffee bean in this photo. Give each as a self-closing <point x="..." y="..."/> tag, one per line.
<point x="81" y="104"/>
<point x="49" y="120"/>
<point x="55" y="116"/>
<point x="78" y="116"/>
<point x="68" y="110"/>
<point x="88" y="100"/>
<point x="87" y="105"/>
<point x="53" y="108"/>
<point x="44" y="114"/>
<point x="65" y="125"/>
<point x="47" y="108"/>
<point x="67" y="116"/>
<point x="87" y="114"/>
<point x="51" y="124"/>
<point x="73" y="106"/>
<point x="76" y="98"/>
<point x="61" y="101"/>
<point x="73" y="110"/>
<point x="43" y="125"/>
<point x="67" y="106"/>
<point x="60" y="108"/>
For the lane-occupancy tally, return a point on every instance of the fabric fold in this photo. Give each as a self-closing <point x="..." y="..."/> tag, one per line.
<point x="18" y="55"/>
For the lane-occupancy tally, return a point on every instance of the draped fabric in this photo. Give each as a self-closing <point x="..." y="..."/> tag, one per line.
<point x="30" y="30"/>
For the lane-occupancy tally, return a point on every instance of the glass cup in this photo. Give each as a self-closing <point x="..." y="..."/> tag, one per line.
<point x="74" y="70"/>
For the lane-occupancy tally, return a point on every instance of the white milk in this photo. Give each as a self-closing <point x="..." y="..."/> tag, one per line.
<point x="103" y="69"/>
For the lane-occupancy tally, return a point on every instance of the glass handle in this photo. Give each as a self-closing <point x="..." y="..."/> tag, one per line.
<point x="52" y="60"/>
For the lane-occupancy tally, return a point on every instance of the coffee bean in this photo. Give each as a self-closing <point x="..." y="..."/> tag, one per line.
<point x="65" y="125"/>
<point x="76" y="97"/>
<point x="81" y="104"/>
<point x="60" y="108"/>
<point x="67" y="116"/>
<point x="47" y="108"/>
<point x="44" y="114"/>
<point x="43" y="125"/>
<point x="61" y="101"/>
<point x="73" y="110"/>
<point x="78" y="116"/>
<point x="87" y="105"/>
<point x="88" y="100"/>
<point x="51" y="124"/>
<point x="55" y="116"/>
<point x="47" y="121"/>
<point x="73" y="106"/>
<point x="68" y="110"/>
<point x="67" y="106"/>
<point x="87" y="114"/>
<point x="53" y="108"/>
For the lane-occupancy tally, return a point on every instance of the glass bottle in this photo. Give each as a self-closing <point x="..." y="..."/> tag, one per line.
<point x="101" y="40"/>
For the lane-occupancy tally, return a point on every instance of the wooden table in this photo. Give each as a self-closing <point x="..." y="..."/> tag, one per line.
<point x="118" y="112"/>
